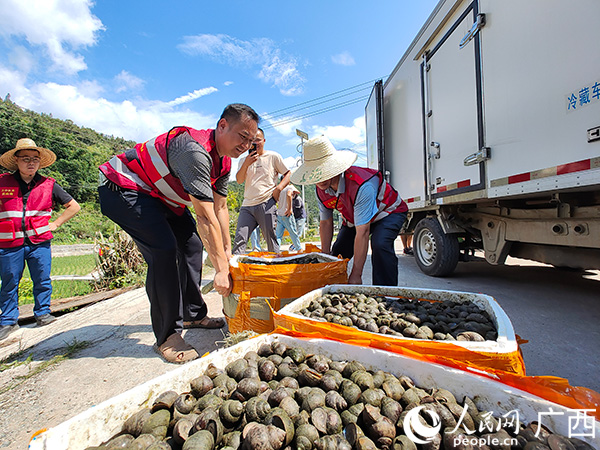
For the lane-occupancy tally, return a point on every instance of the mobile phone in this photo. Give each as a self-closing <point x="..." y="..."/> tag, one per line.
<point x="252" y="150"/>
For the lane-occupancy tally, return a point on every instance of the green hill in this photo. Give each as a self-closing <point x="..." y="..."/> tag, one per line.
<point x="79" y="150"/>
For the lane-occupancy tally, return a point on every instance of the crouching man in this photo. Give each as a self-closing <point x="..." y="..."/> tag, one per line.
<point x="370" y="207"/>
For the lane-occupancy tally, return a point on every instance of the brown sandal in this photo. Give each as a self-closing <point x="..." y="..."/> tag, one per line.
<point x="206" y="322"/>
<point x="176" y="350"/>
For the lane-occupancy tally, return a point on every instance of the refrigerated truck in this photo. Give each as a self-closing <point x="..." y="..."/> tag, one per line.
<point x="489" y="128"/>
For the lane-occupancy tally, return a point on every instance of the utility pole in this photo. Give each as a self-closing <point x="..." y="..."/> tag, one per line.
<point x="300" y="149"/>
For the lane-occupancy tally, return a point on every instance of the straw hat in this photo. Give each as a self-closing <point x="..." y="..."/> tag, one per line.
<point x="9" y="160"/>
<point x="322" y="162"/>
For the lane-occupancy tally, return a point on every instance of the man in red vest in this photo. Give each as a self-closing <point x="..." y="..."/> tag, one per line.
<point x="147" y="191"/>
<point x="369" y="206"/>
<point x="26" y="200"/>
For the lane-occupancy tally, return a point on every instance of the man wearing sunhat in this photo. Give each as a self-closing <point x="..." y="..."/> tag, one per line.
<point x="370" y="207"/>
<point x="26" y="200"/>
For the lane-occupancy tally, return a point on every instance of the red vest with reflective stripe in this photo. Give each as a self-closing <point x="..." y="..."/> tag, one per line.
<point x="150" y="173"/>
<point x="18" y="220"/>
<point x="388" y="200"/>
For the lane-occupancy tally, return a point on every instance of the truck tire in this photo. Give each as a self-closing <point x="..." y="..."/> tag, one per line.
<point x="436" y="253"/>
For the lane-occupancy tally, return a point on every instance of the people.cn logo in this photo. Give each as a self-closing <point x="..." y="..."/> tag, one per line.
<point x="417" y="431"/>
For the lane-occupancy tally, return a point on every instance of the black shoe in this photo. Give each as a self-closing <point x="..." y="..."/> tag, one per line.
<point x="44" y="320"/>
<point x="408" y="251"/>
<point x="5" y="330"/>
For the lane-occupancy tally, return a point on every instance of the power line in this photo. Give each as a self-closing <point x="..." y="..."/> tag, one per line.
<point x="269" y="117"/>
<point x="315" y="113"/>
<point x="325" y="96"/>
<point x="315" y="102"/>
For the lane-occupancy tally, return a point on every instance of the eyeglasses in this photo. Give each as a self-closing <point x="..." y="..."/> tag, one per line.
<point x="27" y="159"/>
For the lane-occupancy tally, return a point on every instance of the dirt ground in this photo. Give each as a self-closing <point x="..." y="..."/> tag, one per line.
<point x="114" y="341"/>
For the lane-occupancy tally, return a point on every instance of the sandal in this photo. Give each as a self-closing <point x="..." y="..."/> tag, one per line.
<point x="176" y="350"/>
<point x="408" y="251"/>
<point x="205" y="322"/>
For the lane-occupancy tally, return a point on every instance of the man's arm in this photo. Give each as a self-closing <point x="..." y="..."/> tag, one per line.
<point x="361" y="247"/>
<point x="209" y="229"/>
<point x="290" y="199"/>
<point x="365" y="207"/>
<point x="71" y="209"/>
<point x="240" y="175"/>
<point x="282" y="184"/>
<point x="326" y="233"/>
<point x="222" y="214"/>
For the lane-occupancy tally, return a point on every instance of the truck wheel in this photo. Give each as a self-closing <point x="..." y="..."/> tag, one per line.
<point x="436" y="253"/>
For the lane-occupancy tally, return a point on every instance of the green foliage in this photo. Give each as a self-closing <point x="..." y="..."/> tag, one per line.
<point x="235" y="198"/>
<point x="82" y="228"/>
<point x="25" y="291"/>
<point x="74" y="265"/>
<point x="70" y="265"/>
<point x="79" y="150"/>
<point x="60" y="289"/>
<point x="66" y="265"/>
<point x="120" y="263"/>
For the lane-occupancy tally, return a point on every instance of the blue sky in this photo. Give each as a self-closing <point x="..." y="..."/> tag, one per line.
<point x="135" y="68"/>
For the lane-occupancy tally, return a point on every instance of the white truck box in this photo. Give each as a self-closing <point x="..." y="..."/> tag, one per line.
<point x="489" y="127"/>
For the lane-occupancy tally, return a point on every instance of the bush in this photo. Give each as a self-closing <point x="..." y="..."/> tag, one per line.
<point x="82" y="228"/>
<point x="120" y="263"/>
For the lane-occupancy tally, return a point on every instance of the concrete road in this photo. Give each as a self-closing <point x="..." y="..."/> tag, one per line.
<point x="557" y="311"/>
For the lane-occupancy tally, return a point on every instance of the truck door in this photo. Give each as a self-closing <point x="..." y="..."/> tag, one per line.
<point x="452" y="107"/>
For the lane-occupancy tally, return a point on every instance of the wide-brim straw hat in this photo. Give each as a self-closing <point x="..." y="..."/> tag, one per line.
<point x="321" y="161"/>
<point x="9" y="159"/>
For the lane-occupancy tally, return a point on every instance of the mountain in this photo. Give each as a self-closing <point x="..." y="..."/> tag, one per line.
<point x="79" y="151"/>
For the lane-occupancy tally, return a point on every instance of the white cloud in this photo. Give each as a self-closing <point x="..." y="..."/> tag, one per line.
<point x="21" y="58"/>
<point x="276" y="68"/>
<point x="83" y="105"/>
<point x="60" y="26"/>
<point x="228" y="83"/>
<point x="339" y="134"/>
<point x="128" y="82"/>
<point x="285" y="126"/>
<point x="343" y="59"/>
<point x="291" y="162"/>
<point x="90" y="89"/>
<point x="192" y="96"/>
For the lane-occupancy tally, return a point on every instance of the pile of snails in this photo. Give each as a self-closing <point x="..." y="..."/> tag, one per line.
<point x="402" y="317"/>
<point x="281" y="398"/>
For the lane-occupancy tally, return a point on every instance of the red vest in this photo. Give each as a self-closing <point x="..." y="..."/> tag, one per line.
<point x="149" y="171"/>
<point x="388" y="200"/>
<point x="18" y="220"/>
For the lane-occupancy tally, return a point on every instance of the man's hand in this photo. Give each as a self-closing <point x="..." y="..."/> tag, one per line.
<point x="276" y="193"/>
<point x="223" y="283"/>
<point x="354" y="279"/>
<point x="251" y="158"/>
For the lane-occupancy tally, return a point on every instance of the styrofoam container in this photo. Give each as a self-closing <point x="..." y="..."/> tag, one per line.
<point x="291" y="258"/>
<point x="101" y="422"/>
<point x="505" y="343"/>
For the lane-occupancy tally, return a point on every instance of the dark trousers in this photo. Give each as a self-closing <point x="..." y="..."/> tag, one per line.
<point x="173" y="251"/>
<point x="263" y="215"/>
<point x="383" y="256"/>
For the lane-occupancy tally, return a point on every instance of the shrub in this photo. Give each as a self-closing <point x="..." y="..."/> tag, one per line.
<point x="120" y="263"/>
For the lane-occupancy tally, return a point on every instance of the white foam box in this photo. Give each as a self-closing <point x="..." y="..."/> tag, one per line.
<point x="99" y="423"/>
<point x="506" y="341"/>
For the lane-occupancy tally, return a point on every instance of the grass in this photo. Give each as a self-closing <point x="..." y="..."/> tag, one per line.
<point x="13" y="361"/>
<point x="65" y="265"/>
